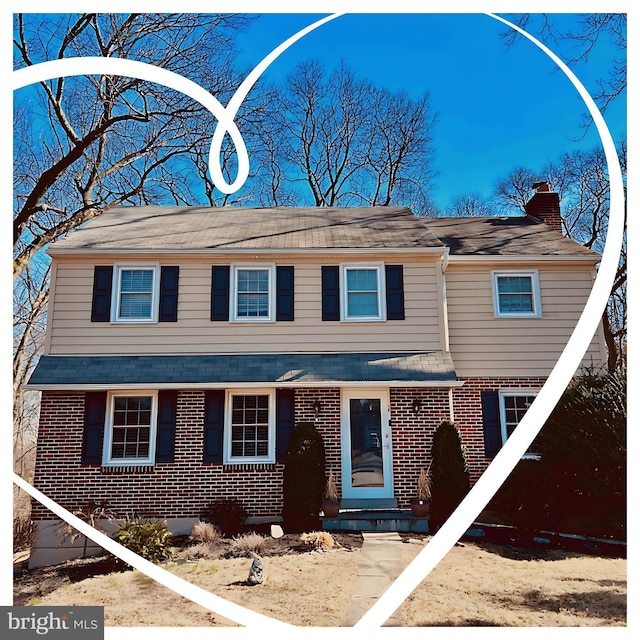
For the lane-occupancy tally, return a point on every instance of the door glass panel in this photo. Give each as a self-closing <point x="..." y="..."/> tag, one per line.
<point x="366" y="443"/>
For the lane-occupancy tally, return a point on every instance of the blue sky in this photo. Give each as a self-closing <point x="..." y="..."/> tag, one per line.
<point x="497" y="108"/>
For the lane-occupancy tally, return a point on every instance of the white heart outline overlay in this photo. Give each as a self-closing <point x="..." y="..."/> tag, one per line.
<point x="520" y="439"/>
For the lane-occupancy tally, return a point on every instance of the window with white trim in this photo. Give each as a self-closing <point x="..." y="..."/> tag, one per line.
<point x="136" y="293"/>
<point x="516" y="294"/>
<point x="513" y="406"/>
<point x="250" y="427"/>
<point x="363" y="292"/>
<point x="130" y="431"/>
<point x="253" y="293"/>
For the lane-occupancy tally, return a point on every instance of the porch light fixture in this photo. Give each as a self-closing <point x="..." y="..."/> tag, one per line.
<point x="317" y="405"/>
<point x="416" y="405"/>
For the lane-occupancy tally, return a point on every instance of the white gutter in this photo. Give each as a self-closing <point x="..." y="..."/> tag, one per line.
<point x="298" y="251"/>
<point x="481" y="259"/>
<point x="197" y="386"/>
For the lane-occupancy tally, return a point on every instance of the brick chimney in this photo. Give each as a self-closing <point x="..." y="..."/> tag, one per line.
<point x="544" y="206"/>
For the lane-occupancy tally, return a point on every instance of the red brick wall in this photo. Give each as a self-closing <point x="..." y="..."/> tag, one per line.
<point x="412" y="433"/>
<point x="178" y="489"/>
<point x="184" y="487"/>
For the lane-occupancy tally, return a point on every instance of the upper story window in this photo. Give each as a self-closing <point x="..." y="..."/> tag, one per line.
<point x="516" y="294"/>
<point x="136" y="293"/>
<point x="130" y="429"/>
<point x="250" y="427"/>
<point x="253" y="295"/>
<point x="363" y="292"/>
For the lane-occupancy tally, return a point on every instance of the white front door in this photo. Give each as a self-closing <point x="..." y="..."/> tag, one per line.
<point x="366" y="444"/>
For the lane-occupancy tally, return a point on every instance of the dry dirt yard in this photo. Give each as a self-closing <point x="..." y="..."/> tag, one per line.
<point x="474" y="585"/>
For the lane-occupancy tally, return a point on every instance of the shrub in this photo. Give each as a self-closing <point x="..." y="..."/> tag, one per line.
<point x="317" y="540"/>
<point x="202" y="550"/>
<point x="205" y="532"/>
<point x="23" y="533"/>
<point x="228" y="515"/>
<point x="93" y="513"/>
<point x="150" y="539"/>
<point x="579" y="483"/>
<point x="304" y="478"/>
<point x="246" y="543"/>
<point x="449" y="473"/>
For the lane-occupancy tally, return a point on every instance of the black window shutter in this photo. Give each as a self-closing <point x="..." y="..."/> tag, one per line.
<point x="166" y="433"/>
<point x="491" y="423"/>
<point x="331" y="293"/>
<point x="284" y="293"/>
<point x="169" y="294"/>
<point x="101" y="301"/>
<point x="394" y="284"/>
<point x="285" y="421"/>
<point x="220" y="293"/>
<point x="213" y="425"/>
<point x="95" y="404"/>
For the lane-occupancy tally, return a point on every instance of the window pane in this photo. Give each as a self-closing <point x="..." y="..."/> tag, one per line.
<point x="250" y="426"/>
<point x="515" y="408"/>
<point x="362" y="293"/>
<point x="136" y="286"/>
<point x="136" y="280"/>
<point x="514" y="284"/>
<point x="515" y="303"/>
<point x="362" y="279"/>
<point x="131" y="427"/>
<point x="515" y="294"/>
<point x="362" y="304"/>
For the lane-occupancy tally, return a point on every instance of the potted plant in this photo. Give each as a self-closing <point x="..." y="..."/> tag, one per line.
<point x="421" y="504"/>
<point x="330" y="500"/>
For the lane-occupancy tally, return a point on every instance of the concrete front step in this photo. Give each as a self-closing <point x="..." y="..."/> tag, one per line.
<point x="376" y="520"/>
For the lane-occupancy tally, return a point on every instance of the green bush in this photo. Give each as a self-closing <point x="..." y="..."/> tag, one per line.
<point x="583" y="449"/>
<point x="304" y="478"/>
<point x="150" y="539"/>
<point x="579" y="484"/>
<point x="449" y="473"/>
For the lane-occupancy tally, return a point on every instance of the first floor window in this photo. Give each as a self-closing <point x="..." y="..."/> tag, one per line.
<point x="136" y="293"/>
<point x="513" y="406"/>
<point x="130" y="433"/>
<point x="516" y="294"/>
<point x="250" y="427"/>
<point x="363" y="291"/>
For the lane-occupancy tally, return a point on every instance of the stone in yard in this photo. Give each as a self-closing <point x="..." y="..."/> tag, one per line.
<point x="256" y="572"/>
<point x="276" y="531"/>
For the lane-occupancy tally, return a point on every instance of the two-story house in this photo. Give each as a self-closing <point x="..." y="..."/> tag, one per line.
<point x="184" y="343"/>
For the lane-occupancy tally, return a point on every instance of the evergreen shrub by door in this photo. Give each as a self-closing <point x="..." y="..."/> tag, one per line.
<point x="304" y="478"/>
<point x="449" y="473"/>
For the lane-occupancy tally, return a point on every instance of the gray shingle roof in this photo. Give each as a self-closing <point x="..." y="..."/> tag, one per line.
<point x="289" y="369"/>
<point x="236" y="228"/>
<point x="219" y="229"/>
<point x="505" y="236"/>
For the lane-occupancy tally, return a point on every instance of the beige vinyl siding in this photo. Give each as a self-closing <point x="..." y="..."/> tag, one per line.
<point x="483" y="345"/>
<point x="72" y="332"/>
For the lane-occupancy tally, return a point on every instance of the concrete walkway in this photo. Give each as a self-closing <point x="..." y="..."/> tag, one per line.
<point x="380" y="564"/>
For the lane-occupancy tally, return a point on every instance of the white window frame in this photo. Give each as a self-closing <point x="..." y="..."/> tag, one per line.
<point x="107" y="460"/>
<point x="535" y="294"/>
<point x="345" y="267"/>
<point x="270" y="458"/>
<point x="511" y="393"/>
<point x="116" y="296"/>
<point x="271" y="269"/>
